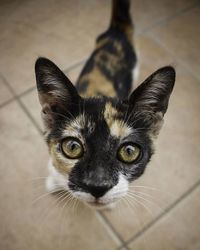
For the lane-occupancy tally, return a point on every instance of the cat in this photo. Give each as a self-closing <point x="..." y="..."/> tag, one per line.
<point x="100" y="135"/>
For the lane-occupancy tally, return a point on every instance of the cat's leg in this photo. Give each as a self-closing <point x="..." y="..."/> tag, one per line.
<point x="55" y="181"/>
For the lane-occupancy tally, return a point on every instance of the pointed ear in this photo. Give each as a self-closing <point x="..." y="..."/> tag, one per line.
<point x="152" y="96"/>
<point x="56" y="92"/>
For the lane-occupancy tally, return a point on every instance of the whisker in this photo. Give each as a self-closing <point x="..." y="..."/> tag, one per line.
<point x="140" y="223"/>
<point x="153" y="189"/>
<point x="44" y="195"/>
<point x="66" y="201"/>
<point x="52" y="207"/>
<point x="153" y="203"/>
<point x="145" y="206"/>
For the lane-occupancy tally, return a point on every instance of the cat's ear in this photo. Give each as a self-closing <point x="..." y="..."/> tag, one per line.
<point x="56" y="93"/>
<point x="150" y="99"/>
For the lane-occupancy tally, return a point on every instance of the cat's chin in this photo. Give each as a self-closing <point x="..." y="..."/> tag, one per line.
<point x="100" y="206"/>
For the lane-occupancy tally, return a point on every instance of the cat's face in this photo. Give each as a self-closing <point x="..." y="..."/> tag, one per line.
<point x="99" y="145"/>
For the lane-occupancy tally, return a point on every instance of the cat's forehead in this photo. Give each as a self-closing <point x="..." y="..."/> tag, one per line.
<point x="103" y="117"/>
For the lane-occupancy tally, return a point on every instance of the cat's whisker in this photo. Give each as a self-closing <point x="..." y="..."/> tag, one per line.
<point x="59" y="200"/>
<point x="41" y="186"/>
<point x="153" y="189"/>
<point x="141" y="193"/>
<point x="118" y="208"/>
<point x="140" y="224"/>
<point x="147" y="200"/>
<point x="66" y="200"/>
<point x="52" y="207"/>
<point x="76" y="206"/>
<point x="124" y="199"/>
<point x="45" y="195"/>
<point x="142" y="204"/>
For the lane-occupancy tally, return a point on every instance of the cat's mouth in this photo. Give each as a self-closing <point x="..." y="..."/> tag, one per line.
<point x="92" y="202"/>
<point x="98" y="205"/>
<point x="101" y="200"/>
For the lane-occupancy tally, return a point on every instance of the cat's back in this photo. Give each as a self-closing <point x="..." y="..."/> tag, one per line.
<point x="108" y="71"/>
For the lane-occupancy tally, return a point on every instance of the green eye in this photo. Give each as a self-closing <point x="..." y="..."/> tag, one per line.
<point x="72" y="148"/>
<point x="129" y="153"/>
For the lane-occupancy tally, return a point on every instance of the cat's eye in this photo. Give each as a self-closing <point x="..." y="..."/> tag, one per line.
<point x="72" y="148"/>
<point x="129" y="153"/>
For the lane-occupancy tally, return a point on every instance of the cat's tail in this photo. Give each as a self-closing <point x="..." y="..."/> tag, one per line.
<point x="121" y="18"/>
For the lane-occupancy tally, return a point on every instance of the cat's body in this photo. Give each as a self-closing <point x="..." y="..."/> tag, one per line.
<point x="109" y="70"/>
<point x="100" y="136"/>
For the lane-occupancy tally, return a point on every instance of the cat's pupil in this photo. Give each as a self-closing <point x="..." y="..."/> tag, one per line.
<point x="129" y="150"/>
<point x="73" y="146"/>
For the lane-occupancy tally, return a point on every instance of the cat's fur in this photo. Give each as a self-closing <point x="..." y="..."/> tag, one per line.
<point x="102" y="113"/>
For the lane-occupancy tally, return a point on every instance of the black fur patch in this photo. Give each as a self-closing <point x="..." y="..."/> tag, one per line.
<point x="118" y="73"/>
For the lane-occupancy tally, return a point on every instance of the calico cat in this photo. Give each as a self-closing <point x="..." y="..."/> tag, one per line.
<point x="100" y="135"/>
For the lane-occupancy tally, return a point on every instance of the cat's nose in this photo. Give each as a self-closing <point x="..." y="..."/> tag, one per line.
<point x="98" y="191"/>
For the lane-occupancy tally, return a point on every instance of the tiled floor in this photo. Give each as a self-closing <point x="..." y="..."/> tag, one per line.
<point x="167" y="217"/>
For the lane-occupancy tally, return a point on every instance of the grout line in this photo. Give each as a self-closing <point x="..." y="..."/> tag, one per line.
<point x="111" y="229"/>
<point x="27" y="91"/>
<point x="7" y="102"/>
<point x="17" y="98"/>
<point x="178" y="59"/>
<point x="168" y="18"/>
<point x="29" y="116"/>
<point x="74" y="65"/>
<point x="10" y="92"/>
<point x="123" y="247"/>
<point x="165" y="212"/>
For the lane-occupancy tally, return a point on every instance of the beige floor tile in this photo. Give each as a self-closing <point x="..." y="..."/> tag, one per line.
<point x="5" y="94"/>
<point x="74" y="73"/>
<point x="45" y="223"/>
<point x="148" y="13"/>
<point x="64" y="32"/>
<point x="32" y="29"/>
<point x="181" y="37"/>
<point x="179" y="229"/>
<point x="59" y="18"/>
<point x="31" y="101"/>
<point x="150" y="57"/>
<point x="20" y="48"/>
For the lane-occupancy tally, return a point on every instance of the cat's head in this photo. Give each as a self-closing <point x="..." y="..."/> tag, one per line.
<point x="99" y="145"/>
